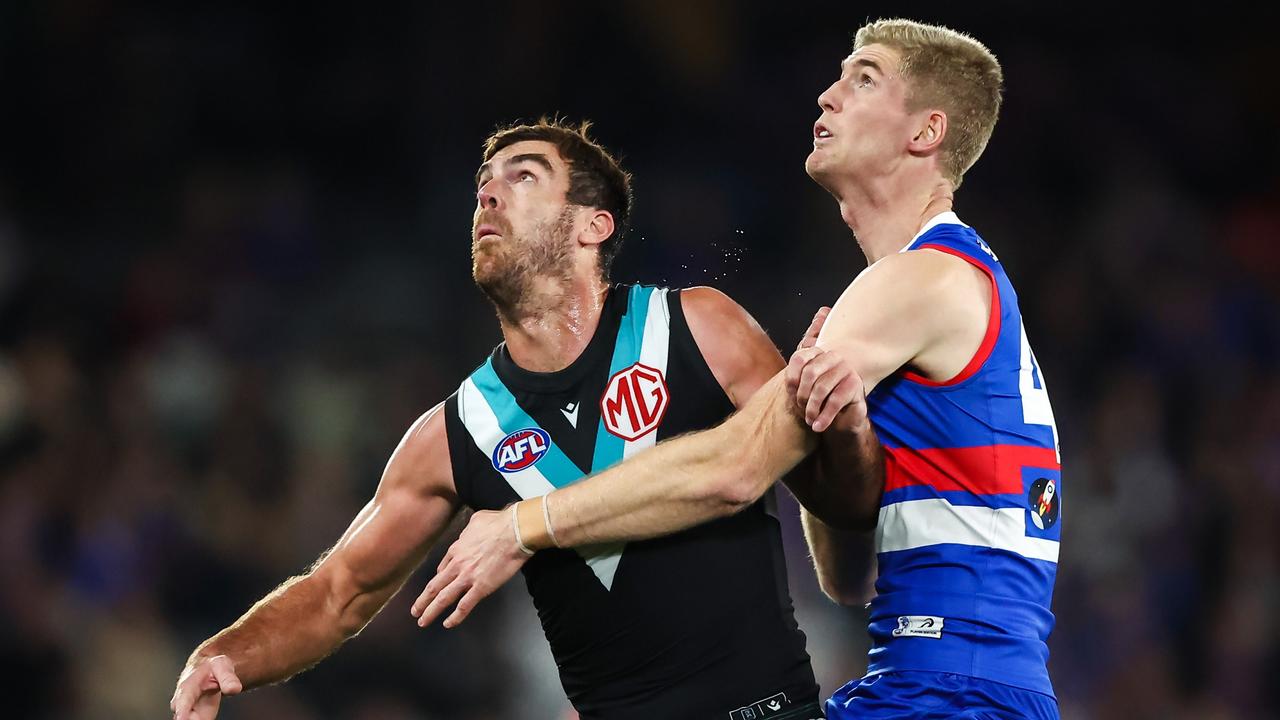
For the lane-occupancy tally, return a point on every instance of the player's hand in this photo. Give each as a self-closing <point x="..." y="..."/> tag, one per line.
<point x="201" y="687"/>
<point x="481" y="560"/>
<point x="811" y="335"/>
<point x="825" y="387"/>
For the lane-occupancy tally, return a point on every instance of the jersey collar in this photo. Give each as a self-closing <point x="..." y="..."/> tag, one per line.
<point x="943" y="218"/>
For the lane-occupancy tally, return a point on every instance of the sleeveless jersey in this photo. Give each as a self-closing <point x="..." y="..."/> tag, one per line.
<point x="698" y="624"/>
<point x="971" y="518"/>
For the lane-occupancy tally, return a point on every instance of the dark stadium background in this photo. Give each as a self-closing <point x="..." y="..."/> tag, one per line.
<point x="234" y="268"/>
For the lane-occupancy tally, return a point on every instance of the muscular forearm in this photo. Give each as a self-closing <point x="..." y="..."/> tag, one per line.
<point x="679" y="483"/>
<point x="844" y="560"/>
<point x="293" y="628"/>
<point x="845" y="491"/>
<point x="840" y="514"/>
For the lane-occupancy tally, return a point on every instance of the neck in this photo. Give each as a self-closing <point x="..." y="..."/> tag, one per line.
<point x="884" y="216"/>
<point x="554" y="322"/>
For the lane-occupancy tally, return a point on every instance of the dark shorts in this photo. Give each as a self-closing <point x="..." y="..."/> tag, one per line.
<point x="933" y="695"/>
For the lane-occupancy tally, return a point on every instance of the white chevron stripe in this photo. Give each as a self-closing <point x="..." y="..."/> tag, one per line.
<point x="920" y="523"/>
<point x="482" y="423"/>
<point x="653" y="352"/>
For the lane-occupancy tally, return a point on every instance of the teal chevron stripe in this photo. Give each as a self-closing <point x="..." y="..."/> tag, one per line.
<point x="555" y="466"/>
<point x="626" y="352"/>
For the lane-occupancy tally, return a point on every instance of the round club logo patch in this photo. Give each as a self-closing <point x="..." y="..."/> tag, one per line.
<point x="1042" y="500"/>
<point x="520" y="450"/>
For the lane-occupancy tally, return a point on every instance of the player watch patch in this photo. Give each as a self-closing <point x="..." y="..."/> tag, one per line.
<point x="929" y="626"/>
<point x="520" y="450"/>
<point x="634" y="402"/>
<point x="1042" y="500"/>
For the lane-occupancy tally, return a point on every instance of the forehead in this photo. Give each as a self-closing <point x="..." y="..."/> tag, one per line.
<point x="529" y="147"/>
<point x="882" y="56"/>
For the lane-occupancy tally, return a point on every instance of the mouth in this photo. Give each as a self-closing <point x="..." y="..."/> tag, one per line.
<point x="484" y="231"/>
<point x="820" y="132"/>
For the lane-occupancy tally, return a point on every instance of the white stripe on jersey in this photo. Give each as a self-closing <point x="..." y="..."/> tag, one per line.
<point x="919" y="523"/>
<point x="653" y="353"/>
<point x="482" y="423"/>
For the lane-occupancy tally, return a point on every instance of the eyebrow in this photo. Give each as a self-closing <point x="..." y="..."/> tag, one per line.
<point x="863" y="62"/>
<point x="538" y="158"/>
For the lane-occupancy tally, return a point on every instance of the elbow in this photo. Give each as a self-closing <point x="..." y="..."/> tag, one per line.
<point x="845" y="595"/>
<point x="345" y="604"/>
<point x="352" y="620"/>
<point x="734" y="496"/>
<point x="735" y="487"/>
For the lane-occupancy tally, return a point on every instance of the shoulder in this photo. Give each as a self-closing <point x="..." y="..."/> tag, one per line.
<point x="735" y="347"/>
<point x="702" y="303"/>
<point x="917" y="280"/>
<point x="926" y="270"/>
<point x="715" y="317"/>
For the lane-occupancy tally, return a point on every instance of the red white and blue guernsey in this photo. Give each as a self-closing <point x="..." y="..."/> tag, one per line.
<point x="971" y="517"/>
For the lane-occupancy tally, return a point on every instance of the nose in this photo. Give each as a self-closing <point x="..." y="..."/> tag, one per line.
<point x="828" y="100"/>
<point x="486" y="196"/>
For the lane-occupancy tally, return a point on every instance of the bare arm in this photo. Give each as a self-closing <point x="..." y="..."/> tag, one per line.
<point x="700" y="476"/>
<point x="743" y="358"/>
<point x="309" y="616"/>
<point x="924" y="309"/>
<point x="739" y="353"/>
<point x="679" y="483"/>
<point x="844" y="560"/>
<point x="843" y="549"/>
<point x="849" y="457"/>
<point x="840" y="483"/>
<point x="903" y="310"/>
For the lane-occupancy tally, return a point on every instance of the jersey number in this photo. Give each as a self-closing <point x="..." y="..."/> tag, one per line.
<point x="1036" y="409"/>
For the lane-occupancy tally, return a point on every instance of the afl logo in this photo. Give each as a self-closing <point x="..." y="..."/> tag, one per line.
<point x="520" y="450"/>
<point x="1042" y="500"/>
<point x="634" y="402"/>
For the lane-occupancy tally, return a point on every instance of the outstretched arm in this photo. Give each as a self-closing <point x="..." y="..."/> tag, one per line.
<point x="309" y="616"/>
<point x="679" y="483"/>
<point x="911" y="308"/>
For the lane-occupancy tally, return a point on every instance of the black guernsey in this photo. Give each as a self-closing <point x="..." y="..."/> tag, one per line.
<point x="698" y="624"/>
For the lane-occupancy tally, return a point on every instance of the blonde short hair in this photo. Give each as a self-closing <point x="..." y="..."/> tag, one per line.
<point x="952" y="72"/>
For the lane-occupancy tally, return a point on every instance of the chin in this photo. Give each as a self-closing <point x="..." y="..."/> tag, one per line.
<point x="486" y="272"/>
<point x="817" y="167"/>
<point x="487" y="268"/>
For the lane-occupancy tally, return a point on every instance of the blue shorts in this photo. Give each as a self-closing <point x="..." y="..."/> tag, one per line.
<point x="934" y="695"/>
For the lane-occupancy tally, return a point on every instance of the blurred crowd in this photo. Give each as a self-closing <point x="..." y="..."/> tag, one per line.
<point x="234" y="268"/>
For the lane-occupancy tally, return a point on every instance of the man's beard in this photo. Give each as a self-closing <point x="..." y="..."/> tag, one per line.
<point x="515" y="274"/>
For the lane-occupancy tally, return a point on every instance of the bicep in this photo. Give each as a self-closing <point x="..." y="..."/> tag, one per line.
<point x="889" y="314"/>
<point x="412" y="506"/>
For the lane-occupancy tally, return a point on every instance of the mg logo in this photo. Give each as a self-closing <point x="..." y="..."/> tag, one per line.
<point x="634" y="402"/>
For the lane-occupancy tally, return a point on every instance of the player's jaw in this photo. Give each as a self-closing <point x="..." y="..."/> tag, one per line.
<point x="508" y="264"/>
